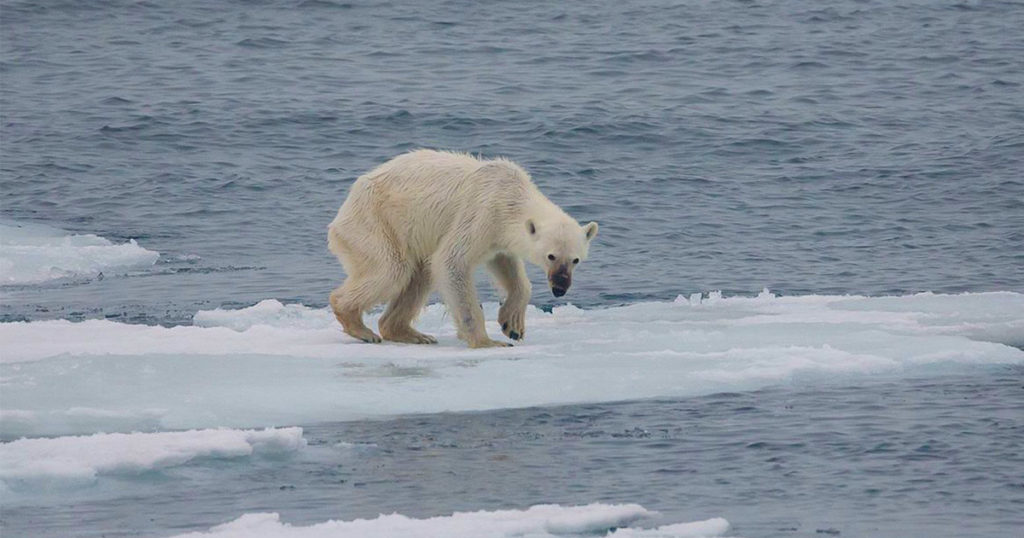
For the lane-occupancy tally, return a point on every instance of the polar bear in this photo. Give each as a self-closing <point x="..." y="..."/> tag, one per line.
<point x="427" y="219"/>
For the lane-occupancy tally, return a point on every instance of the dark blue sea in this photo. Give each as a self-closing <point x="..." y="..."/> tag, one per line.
<point x="827" y="148"/>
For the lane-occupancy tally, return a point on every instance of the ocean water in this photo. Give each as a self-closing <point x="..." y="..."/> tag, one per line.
<point x="167" y="172"/>
<point x="866" y="459"/>
<point x="839" y="147"/>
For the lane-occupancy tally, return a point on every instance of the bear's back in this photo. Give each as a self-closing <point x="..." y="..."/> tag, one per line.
<point x="418" y="196"/>
<point x="423" y="166"/>
<point x="430" y="179"/>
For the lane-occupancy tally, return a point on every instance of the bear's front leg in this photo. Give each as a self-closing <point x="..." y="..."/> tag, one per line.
<point x="454" y="276"/>
<point x="510" y="273"/>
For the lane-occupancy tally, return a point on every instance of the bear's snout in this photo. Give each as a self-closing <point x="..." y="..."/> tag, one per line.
<point x="560" y="283"/>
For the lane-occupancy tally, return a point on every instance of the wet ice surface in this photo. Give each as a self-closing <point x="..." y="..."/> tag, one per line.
<point x="922" y="457"/>
<point x="892" y="406"/>
<point x="538" y="521"/>
<point x="36" y="254"/>
<point x="281" y="365"/>
<point x="41" y="464"/>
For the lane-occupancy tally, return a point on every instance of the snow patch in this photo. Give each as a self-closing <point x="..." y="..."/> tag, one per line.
<point x="32" y="254"/>
<point x="540" y="521"/>
<point x="74" y="461"/>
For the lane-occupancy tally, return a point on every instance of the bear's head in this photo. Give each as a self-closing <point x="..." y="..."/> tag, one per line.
<point x="558" y="246"/>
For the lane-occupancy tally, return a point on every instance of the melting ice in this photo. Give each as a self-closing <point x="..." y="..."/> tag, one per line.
<point x="274" y="366"/>
<point x="282" y="365"/>
<point x="33" y="253"/>
<point x="48" y="463"/>
<point x="540" y="521"/>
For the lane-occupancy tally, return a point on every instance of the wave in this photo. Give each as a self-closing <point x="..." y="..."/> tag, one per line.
<point x="539" y="521"/>
<point x="276" y="364"/>
<point x="33" y="254"/>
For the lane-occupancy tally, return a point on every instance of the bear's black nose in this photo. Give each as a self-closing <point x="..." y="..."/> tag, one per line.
<point x="557" y="291"/>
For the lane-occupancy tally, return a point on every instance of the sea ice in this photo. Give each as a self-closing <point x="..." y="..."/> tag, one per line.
<point x="72" y="461"/>
<point x="540" y="521"/>
<point x="697" y="529"/>
<point x="32" y="253"/>
<point x="278" y="365"/>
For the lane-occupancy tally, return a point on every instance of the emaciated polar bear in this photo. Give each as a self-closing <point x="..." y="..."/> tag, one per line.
<point x="429" y="218"/>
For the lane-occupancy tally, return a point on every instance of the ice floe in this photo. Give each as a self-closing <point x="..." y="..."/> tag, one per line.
<point x="540" y="521"/>
<point x="32" y="253"/>
<point x="275" y="364"/>
<point x="77" y="460"/>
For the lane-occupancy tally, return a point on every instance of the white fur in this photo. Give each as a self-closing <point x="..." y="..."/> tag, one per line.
<point x="429" y="218"/>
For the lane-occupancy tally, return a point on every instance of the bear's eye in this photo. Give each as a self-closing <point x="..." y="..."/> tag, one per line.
<point x="575" y="261"/>
<point x="551" y="257"/>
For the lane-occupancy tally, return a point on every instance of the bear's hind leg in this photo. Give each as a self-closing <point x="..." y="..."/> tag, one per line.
<point x="376" y="274"/>
<point x="396" y="323"/>
<point x="349" y="314"/>
<point x="362" y="291"/>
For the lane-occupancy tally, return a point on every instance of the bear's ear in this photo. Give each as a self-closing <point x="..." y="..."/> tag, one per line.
<point x="531" y="228"/>
<point x="591" y="230"/>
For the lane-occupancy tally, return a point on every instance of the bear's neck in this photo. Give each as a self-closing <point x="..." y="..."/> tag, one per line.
<point x="538" y="207"/>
